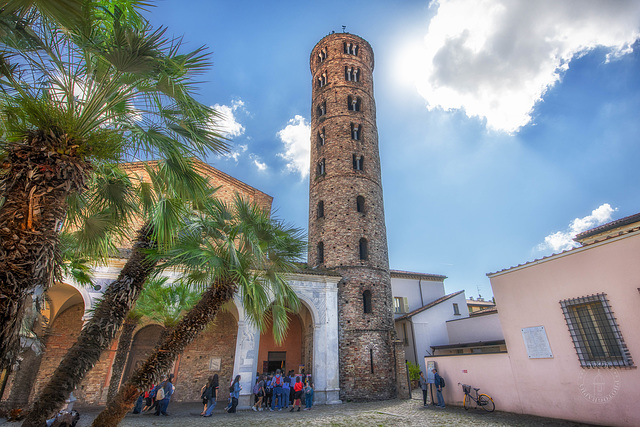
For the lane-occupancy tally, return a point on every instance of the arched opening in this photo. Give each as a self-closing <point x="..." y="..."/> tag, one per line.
<point x="143" y="343"/>
<point x="366" y="301"/>
<point x="364" y="253"/>
<point x="295" y="352"/>
<point x="320" y="209"/>
<point x="360" y="204"/>
<point x="64" y="309"/>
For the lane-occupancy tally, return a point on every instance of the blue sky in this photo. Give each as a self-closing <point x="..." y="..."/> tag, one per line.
<point x="505" y="127"/>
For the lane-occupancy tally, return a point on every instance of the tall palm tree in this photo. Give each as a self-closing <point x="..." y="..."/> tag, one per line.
<point x="99" y="85"/>
<point x="158" y="302"/>
<point x="236" y="249"/>
<point x="163" y="208"/>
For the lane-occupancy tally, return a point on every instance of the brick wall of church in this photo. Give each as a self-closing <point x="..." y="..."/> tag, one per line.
<point x="218" y="341"/>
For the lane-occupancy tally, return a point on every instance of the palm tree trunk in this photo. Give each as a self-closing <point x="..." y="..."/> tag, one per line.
<point x="99" y="331"/>
<point x="124" y="345"/>
<point x="36" y="177"/>
<point x="160" y="361"/>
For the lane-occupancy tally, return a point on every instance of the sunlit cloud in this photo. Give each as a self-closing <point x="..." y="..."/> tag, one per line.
<point x="258" y="163"/>
<point x="228" y="124"/>
<point x="495" y="59"/>
<point x="295" y="138"/>
<point x="563" y="240"/>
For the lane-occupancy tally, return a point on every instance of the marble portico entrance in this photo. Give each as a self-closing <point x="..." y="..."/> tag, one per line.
<point x="318" y="340"/>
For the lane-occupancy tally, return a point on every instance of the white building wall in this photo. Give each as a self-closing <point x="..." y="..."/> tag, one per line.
<point x="430" y="326"/>
<point x="417" y="291"/>
<point x="473" y="329"/>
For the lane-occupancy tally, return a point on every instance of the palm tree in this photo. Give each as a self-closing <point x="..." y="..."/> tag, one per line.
<point x="159" y="302"/>
<point x="97" y="85"/>
<point x="234" y="249"/>
<point x="163" y="203"/>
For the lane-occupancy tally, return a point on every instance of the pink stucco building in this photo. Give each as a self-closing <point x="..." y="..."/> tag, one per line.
<point x="570" y="326"/>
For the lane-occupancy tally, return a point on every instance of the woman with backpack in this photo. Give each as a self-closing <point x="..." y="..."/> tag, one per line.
<point x="210" y="393"/>
<point x="234" y="391"/>
<point x="308" y="393"/>
<point x="258" y="391"/>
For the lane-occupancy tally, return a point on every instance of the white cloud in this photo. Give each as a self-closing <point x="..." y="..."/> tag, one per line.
<point x="262" y="166"/>
<point x="296" y="140"/>
<point x="235" y="152"/>
<point x="228" y="124"/>
<point x="563" y="240"/>
<point x="496" y="58"/>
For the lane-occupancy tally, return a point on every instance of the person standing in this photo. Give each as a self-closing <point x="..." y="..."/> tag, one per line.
<point x="423" y="385"/>
<point x="211" y="394"/>
<point x="438" y="380"/>
<point x="235" y="394"/>
<point x="308" y="394"/>
<point x="276" y="384"/>
<point x="297" y="394"/>
<point x="287" y="391"/>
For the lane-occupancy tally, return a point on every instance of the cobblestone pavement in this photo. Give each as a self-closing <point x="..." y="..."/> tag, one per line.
<point x="387" y="413"/>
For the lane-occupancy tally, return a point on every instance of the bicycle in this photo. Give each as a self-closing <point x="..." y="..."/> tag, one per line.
<point x="483" y="400"/>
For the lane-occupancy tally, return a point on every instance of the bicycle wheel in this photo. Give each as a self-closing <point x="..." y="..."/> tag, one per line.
<point x="486" y="402"/>
<point x="467" y="402"/>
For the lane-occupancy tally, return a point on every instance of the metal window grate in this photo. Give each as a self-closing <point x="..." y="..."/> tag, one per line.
<point x="595" y="332"/>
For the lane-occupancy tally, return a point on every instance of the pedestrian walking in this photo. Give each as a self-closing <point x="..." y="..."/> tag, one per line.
<point x="210" y="393"/>
<point x="258" y="391"/>
<point x="235" y="394"/>
<point x="164" y="395"/>
<point x="424" y="386"/>
<point x="439" y="385"/>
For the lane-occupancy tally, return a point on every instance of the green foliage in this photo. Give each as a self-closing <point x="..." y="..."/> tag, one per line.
<point x="414" y="371"/>
<point x="166" y="303"/>
<point x="241" y="244"/>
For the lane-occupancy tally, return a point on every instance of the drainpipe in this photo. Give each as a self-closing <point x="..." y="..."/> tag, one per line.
<point x="420" y="287"/>
<point x="413" y="338"/>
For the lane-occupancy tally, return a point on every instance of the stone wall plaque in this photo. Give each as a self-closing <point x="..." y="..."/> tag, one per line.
<point x="536" y="342"/>
<point x="214" y="364"/>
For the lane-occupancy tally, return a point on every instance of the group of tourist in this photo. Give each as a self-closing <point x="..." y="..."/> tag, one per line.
<point x="278" y="391"/>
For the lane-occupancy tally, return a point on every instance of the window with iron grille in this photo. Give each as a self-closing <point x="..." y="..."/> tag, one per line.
<point x="595" y="332"/>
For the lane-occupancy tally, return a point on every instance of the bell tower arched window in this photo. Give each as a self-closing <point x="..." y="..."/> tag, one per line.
<point x="322" y="109"/>
<point x="364" y="252"/>
<point x="353" y="103"/>
<point x="320" y="168"/>
<point x="366" y="301"/>
<point x="360" y="204"/>
<point x="321" y="138"/>
<point x="320" y="209"/>
<point x="358" y="162"/>
<point x="356" y="131"/>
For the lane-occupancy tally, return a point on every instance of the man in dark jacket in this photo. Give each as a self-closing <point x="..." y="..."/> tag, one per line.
<point x="438" y="388"/>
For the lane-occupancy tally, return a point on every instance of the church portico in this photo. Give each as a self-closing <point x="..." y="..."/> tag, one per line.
<point x="313" y="342"/>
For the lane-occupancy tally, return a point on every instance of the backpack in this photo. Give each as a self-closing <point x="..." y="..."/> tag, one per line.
<point x="442" y="382"/>
<point x="256" y="388"/>
<point x="278" y="380"/>
<point x="160" y="393"/>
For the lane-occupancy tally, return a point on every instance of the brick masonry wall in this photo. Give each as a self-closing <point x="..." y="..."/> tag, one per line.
<point x="367" y="354"/>
<point x="61" y="335"/>
<point x="217" y="341"/>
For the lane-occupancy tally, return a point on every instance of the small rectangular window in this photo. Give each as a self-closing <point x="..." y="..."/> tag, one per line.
<point x="456" y="310"/>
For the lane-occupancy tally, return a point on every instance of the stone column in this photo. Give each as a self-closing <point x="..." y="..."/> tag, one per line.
<point x="246" y="359"/>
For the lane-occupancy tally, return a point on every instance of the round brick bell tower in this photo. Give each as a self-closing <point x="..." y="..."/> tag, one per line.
<point x="347" y="230"/>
